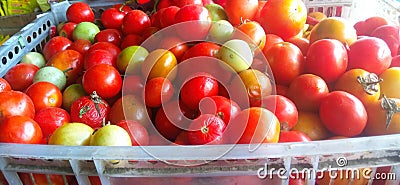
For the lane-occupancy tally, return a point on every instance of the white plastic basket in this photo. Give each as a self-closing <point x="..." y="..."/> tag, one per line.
<point x="199" y="165"/>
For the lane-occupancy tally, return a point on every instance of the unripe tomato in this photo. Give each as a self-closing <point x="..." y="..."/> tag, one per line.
<point x="390" y="82"/>
<point x="71" y="134"/>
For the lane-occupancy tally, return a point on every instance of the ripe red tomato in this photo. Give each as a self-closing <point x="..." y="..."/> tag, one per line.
<point x="112" y="18"/>
<point x="197" y="22"/>
<point x="115" y="50"/>
<point x="104" y="79"/>
<point x="256" y="36"/>
<point x="293" y="136"/>
<point x="130" y="107"/>
<point x="55" y="45"/>
<point x="157" y="91"/>
<point x="21" y="76"/>
<point x="67" y="29"/>
<point x="44" y="95"/>
<point x="271" y="39"/>
<point x="69" y="61"/>
<point x="174" y="45"/>
<point x="98" y="56"/>
<point x="122" y="7"/>
<point x="20" y="129"/>
<point x="283" y="108"/>
<point x="113" y="36"/>
<point x="131" y="40"/>
<point x="164" y="4"/>
<point x="253" y="125"/>
<point x="137" y="132"/>
<point x="182" y="3"/>
<point x="49" y="119"/>
<point x="307" y="92"/>
<point x="4" y="85"/>
<point x="286" y="62"/>
<point x="90" y="110"/>
<point x="353" y="116"/>
<point x="206" y="129"/>
<point x="220" y="106"/>
<point x="327" y="58"/>
<point x="135" y="21"/>
<point x="13" y="103"/>
<point x="133" y="84"/>
<point x="239" y="10"/>
<point x="167" y="16"/>
<point x="80" y="12"/>
<point x="197" y="87"/>
<point x="80" y="45"/>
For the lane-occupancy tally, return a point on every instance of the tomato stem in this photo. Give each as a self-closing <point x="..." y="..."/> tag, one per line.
<point x="390" y="106"/>
<point x="370" y="83"/>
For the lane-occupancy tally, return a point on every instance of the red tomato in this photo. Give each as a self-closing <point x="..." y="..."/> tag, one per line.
<point x="256" y="36"/>
<point x="206" y="129"/>
<point x="352" y="117"/>
<point x="80" y="45"/>
<point x="307" y="92"/>
<point x="164" y="4"/>
<point x="44" y="95"/>
<point x="174" y="45"/>
<point x="135" y="22"/>
<point x="182" y="138"/>
<point x="133" y="84"/>
<point x="220" y="106"/>
<point x="67" y="29"/>
<point x="131" y="40"/>
<point x="327" y="58"/>
<point x="271" y="39"/>
<point x="4" y="85"/>
<point x="122" y="7"/>
<point x="49" y="119"/>
<point x="134" y="106"/>
<point x="155" y="18"/>
<point x="115" y="50"/>
<point x="239" y="10"/>
<point x="113" y="36"/>
<point x="13" y="103"/>
<point x="253" y="125"/>
<point x="371" y="54"/>
<point x="104" y="79"/>
<point x="21" y="76"/>
<point x="157" y="91"/>
<point x="20" y="129"/>
<point x="286" y="62"/>
<point x="257" y="17"/>
<point x="293" y="136"/>
<point x="172" y="118"/>
<point x="167" y="16"/>
<point x="182" y="3"/>
<point x="302" y="43"/>
<point x="112" y="18"/>
<point x="283" y="108"/>
<point x="208" y="49"/>
<point x="197" y="87"/>
<point x="137" y="132"/>
<point x="55" y="45"/>
<point x="69" y="61"/>
<point x="91" y="110"/>
<point x="80" y="12"/>
<point x="98" y="56"/>
<point x="197" y="22"/>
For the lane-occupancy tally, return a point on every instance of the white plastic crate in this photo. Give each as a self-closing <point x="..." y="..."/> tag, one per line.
<point x="218" y="164"/>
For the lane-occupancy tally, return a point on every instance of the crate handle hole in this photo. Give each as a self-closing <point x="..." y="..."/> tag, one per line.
<point x="29" y="39"/>
<point x="16" y="50"/>
<point x="44" y="27"/>
<point x="4" y="60"/>
<point x="34" y="35"/>
<point x="10" y="55"/>
<point x="40" y="31"/>
<point x="48" y="23"/>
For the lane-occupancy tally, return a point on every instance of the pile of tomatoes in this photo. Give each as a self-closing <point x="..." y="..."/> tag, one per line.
<point x="197" y="72"/>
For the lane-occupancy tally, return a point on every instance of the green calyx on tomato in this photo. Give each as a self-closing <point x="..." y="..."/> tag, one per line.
<point x="369" y="83"/>
<point x="390" y="106"/>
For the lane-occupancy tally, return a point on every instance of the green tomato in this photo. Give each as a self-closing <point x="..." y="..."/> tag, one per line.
<point x="51" y="74"/>
<point x="34" y="58"/>
<point x="237" y="54"/>
<point x="221" y="31"/>
<point x="217" y="12"/>
<point x="85" y="30"/>
<point x="71" y="134"/>
<point x="132" y="57"/>
<point x="70" y="94"/>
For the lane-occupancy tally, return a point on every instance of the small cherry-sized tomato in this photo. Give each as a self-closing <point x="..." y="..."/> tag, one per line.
<point x="70" y="62"/>
<point x="307" y="91"/>
<point x="98" y="56"/>
<point x="133" y="84"/>
<point x="21" y="76"/>
<point x="131" y="40"/>
<point x="135" y="21"/>
<point x="175" y="45"/>
<point x="115" y="50"/>
<point x="44" y="95"/>
<point x="80" y="12"/>
<point x="104" y="79"/>
<point x="197" y="87"/>
<point x="90" y="110"/>
<point x="20" y="129"/>
<point x="167" y="16"/>
<point x="80" y="45"/>
<point x="130" y="107"/>
<point x="157" y="91"/>
<point x="113" y="36"/>
<point x="220" y="106"/>
<point x="137" y="132"/>
<point x="326" y="58"/>
<point x="206" y="129"/>
<point x="13" y="103"/>
<point x="159" y="63"/>
<point x="283" y="108"/>
<point x="195" y="19"/>
<point x="112" y="18"/>
<point x="67" y="29"/>
<point x="55" y="45"/>
<point x="122" y="7"/>
<point x="4" y="85"/>
<point x="49" y="119"/>
<point x="293" y="136"/>
<point x="343" y="114"/>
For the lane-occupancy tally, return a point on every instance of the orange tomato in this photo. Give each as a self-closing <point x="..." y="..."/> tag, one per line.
<point x="239" y="10"/>
<point x="255" y="33"/>
<point x="334" y="28"/>
<point x="377" y="117"/>
<point x="4" y="85"/>
<point x="310" y="124"/>
<point x="390" y="85"/>
<point x="160" y="63"/>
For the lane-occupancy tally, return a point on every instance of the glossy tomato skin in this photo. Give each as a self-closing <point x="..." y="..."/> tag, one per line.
<point x="69" y="61"/>
<point x="256" y="36"/>
<point x="21" y="76"/>
<point x="130" y="107"/>
<point x="80" y="12"/>
<point x="90" y="111"/>
<point x="283" y="108"/>
<point x="176" y="46"/>
<point x="44" y="95"/>
<point x="236" y="12"/>
<point x="206" y="129"/>
<point x="112" y="18"/>
<point x="327" y="58"/>
<point x="80" y="45"/>
<point x="310" y="123"/>
<point x="115" y="50"/>
<point x="135" y="21"/>
<point x="137" y="132"/>
<point x="220" y="106"/>
<point x="110" y="35"/>
<point x="4" y="85"/>
<point x="293" y="136"/>
<point x="167" y="16"/>
<point x="20" y="129"/>
<point x="98" y="56"/>
<point x="376" y="124"/>
<point x="182" y="3"/>
<point x="104" y="79"/>
<point x="198" y="22"/>
<point x="131" y="40"/>
<point x="157" y="91"/>
<point x="49" y="119"/>
<point x="133" y="84"/>
<point x="13" y="103"/>
<point x="286" y="62"/>
<point x="55" y="45"/>
<point x="197" y="87"/>
<point x="353" y="115"/>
